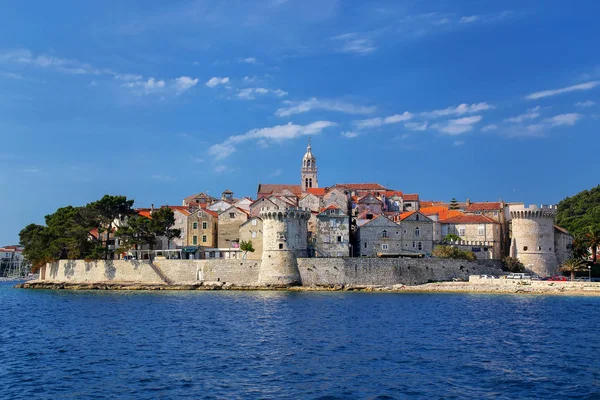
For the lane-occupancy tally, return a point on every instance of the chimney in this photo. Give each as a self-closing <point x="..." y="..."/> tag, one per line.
<point x="468" y="202"/>
<point x="151" y="207"/>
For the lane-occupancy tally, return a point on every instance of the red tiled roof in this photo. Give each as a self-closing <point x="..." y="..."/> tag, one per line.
<point x="276" y="189"/>
<point x="468" y="219"/>
<point x="182" y="209"/>
<point x="405" y="215"/>
<point x="369" y="194"/>
<point x="485" y="206"/>
<point x="432" y="210"/>
<point x="316" y="191"/>
<point x="410" y="197"/>
<point x="361" y="186"/>
<point x="389" y="193"/>
<point x="145" y="213"/>
<point x="331" y="207"/>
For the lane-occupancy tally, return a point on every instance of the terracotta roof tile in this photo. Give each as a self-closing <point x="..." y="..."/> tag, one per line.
<point x="277" y="189"/>
<point x="485" y="206"/>
<point x="361" y="186"/>
<point x="468" y="219"/>
<point x="407" y="214"/>
<point x="410" y="197"/>
<point x="317" y="191"/>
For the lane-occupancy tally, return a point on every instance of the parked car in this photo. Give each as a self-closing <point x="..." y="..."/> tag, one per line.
<point x="487" y="277"/>
<point x="558" y="278"/>
<point x="518" y="276"/>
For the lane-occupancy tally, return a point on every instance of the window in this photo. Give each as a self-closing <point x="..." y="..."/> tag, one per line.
<point x="253" y="234"/>
<point x="417" y="217"/>
<point x="204" y="238"/>
<point x="495" y="213"/>
<point x="419" y="246"/>
<point x="326" y="239"/>
<point x="194" y="239"/>
<point x="253" y="222"/>
<point x="417" y="232"/>
<point x="384" y="234"/>
<point x="539" y="248"/>
<point x="481" y="230"/>
<point x="195" y="225"/>
<point x="339" y="239"/>
<point x="413" y="245"/>
<point x="204" y="225"/>
<point x="397" y="233"/>
<point x="232" y="215"/>
<point x="524" y="248"/>
<point x="384" y="246"/>
<point x="365" y="245"/>
<point x="332" y="223"/>
<point x="280" y="246"/>
<point x="461" y="231"/>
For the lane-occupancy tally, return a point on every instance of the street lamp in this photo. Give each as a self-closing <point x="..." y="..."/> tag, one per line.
<point x="590" y="272"/>
<point x="350" y="246"/>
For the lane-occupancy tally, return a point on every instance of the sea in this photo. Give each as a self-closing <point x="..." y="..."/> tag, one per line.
<point x="296" y="345"/>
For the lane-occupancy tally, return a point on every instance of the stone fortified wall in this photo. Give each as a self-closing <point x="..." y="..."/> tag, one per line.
<point x="313" y="271"/>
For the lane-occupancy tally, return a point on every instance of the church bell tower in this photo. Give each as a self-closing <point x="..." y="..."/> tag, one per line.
<point x="309" y="170"/>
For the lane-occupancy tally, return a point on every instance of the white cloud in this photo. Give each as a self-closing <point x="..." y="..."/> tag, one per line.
<point x="274" y="134"/>
<point x="471" y="18"/>
<point x="184" y="83"/>
<point x="350" y="134"/>
<point x="215" y="81"/>
<point x="377" y="122"/>
<point x="587" y="103"/>
<point x="249" y="60"/>
<point x="457" y="126"/>
<point x="458" y="143"/>
<point x="277" y="172"/>
<point x="221" y="168"/>
<point x="461" y="109"/>
<point x="563" y="119"/>
<point x="352" y="43"/>
<point x="529" y="115"/>
<point x="554" y="92"/>
<point x="416" y="126"/>
<point x="329" y="105"/>
<point x="489" y="128"/>
<point x="146" y="87"/>
<point x="250" y="93"/>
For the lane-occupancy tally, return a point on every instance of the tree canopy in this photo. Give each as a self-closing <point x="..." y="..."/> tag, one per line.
<point x="580" y="213"/>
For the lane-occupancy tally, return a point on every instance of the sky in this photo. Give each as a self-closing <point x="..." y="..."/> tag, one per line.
<point x="158" y="100"/>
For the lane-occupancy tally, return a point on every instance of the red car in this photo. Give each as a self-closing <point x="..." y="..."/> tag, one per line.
<point x="558" y="279"/>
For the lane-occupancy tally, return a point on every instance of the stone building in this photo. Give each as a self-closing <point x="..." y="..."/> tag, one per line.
<point x="416" y="232"/>
<point x="181" y="215"/>
<point x="202" y="228"/>
<point x="284" y="240"/>
<point x="478" y="233"/>
<point x="228" y="230"/>
<point x="309" y="177"/>
<point x="369" y="202"/>
<point x="563" y="243"/>
<point x="333" y="233"/>
<point x="252" y="230"/>
<point x="201" y="200"/>
<point x="377" y="236"/>
<point x="496" y="211"/>
<point x="533" y="241"/>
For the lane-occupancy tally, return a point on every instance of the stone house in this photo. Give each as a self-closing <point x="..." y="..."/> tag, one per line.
<point x="181" y="214"/>
<point x="244" y="203"/>
<point x="498" y="211"/>
<point x="333" y="233"/>
<point x="417" y="231"/>
<point x="202" y="228"/>
<point x="228" y="231"/>
<point x="478" y="233"/>
<point x="377" y="236"/>
<point x="252" y="230"/>
<point x="411" y="202"/>
<point x="256" y="206"/>
<point x="201" y="200"/>
<point x="369" y="202"/>
<point x="563" y="244"/>
<point x="339" y="198"/>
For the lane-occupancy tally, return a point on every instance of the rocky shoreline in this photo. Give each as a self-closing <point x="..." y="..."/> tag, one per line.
<point x="439" y="287"/>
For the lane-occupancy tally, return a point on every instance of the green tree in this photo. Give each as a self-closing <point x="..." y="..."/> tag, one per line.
<point x="442" y="251"/>
<point x="246" y="247"/>
<point x="513" y="264"/>
<point x="451" y="238"/>
<point x="454" y="204"/>
<point x="105" y="211"/>
<point x="580" y="213"/>
<point x="36" y="239"/>
<point x="139" y="230"/>
<point x="163" y="220"/>
<point x="572" y="265"/>
<point x="580" y="247"/>
<point x="592" y="240"/>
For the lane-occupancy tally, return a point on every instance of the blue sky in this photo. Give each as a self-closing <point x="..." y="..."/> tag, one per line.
<point x="158" y="100"/>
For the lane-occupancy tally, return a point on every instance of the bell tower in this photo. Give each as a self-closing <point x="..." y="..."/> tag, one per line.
<point x="309" y="170"/>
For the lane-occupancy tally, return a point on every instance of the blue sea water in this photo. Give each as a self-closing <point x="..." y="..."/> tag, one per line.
<point x="288" y="345"/>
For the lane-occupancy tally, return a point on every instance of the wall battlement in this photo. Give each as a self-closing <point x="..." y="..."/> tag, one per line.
<point x="533" y="211"/>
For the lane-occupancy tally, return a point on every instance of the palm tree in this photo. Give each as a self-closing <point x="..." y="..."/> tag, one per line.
<point x="580" y="247"/>
<point x="572" y="265"/>
<point x="592" y="238"/>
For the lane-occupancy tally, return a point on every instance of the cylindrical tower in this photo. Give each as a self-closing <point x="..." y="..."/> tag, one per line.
<point x="284" y="239"/>
<point x="533" y="238"/>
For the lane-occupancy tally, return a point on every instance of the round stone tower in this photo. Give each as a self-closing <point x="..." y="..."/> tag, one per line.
<point x="533" y="238"/>
<point x="285" y="232"/>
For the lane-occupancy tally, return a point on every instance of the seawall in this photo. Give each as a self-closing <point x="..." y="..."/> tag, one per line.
<point x="244" y="273"/>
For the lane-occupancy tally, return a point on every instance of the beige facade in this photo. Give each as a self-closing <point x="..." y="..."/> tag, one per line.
<point x="202" y="228"/>
<point x="482" y="236"/>
<point x="252" y="230"/>
<point x="333" y="233"/>
<point x="229" y="222"/>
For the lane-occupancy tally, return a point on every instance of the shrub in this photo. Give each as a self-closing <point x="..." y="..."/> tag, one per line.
<point x="453" y="253"/>
<point x="513" y="265"/>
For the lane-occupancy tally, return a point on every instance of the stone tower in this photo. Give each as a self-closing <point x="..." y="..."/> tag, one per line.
<point x="309" y="170"/>
<point x="533" y="238"/>
<point x="284" y="239"/>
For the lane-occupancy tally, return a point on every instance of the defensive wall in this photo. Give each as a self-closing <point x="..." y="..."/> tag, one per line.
<point x="313" y="271"/>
